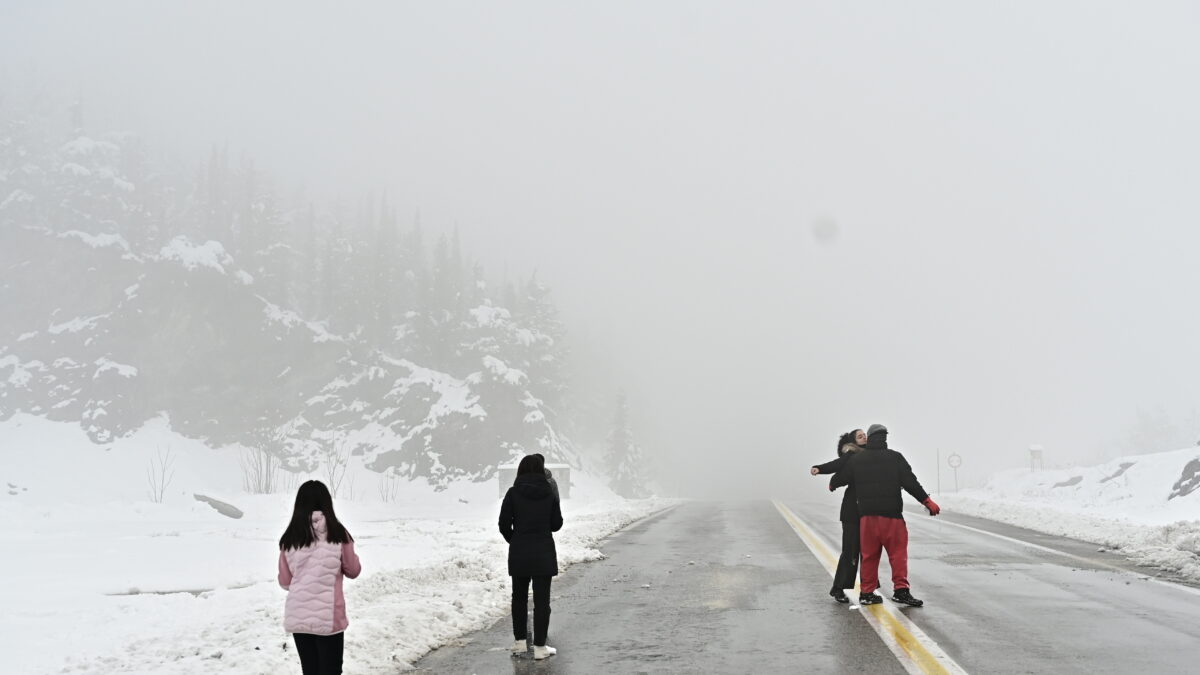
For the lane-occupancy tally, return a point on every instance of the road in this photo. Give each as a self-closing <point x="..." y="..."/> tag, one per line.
<point x="732" y="587"/>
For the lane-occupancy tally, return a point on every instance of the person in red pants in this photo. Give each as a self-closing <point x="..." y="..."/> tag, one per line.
<point x="878" y="474"/>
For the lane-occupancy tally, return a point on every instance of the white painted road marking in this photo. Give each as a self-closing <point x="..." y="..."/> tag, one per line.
<point x="1072" y="556"/>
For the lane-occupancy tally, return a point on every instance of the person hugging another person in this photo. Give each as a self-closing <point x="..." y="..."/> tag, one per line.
<point x="878" y="474"/>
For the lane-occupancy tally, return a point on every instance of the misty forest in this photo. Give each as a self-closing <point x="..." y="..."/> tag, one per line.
<point x="247" y="315"/>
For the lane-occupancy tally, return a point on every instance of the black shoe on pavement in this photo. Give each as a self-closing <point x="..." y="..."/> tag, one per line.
<point x="902" y="595"/>
<point x="839" y="595"/>
<point x="869" y="599"/>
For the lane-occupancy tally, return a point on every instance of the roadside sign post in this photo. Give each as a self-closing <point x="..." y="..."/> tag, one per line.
<point x="954" y="461"/>
<point x="938" y="464"/>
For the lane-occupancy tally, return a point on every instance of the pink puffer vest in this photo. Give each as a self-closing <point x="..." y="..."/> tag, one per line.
<point x="313" y="578"/>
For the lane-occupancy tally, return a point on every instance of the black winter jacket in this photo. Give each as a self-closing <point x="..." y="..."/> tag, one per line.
<point x="877" y="475"/>
<point x="529" y="514"/>
<point x="849" y="513"/>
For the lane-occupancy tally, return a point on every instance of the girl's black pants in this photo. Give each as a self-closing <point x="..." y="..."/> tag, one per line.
<point x="320" y="654"/>
<point x="847" y="568"/>
<point x="541" y="608"/>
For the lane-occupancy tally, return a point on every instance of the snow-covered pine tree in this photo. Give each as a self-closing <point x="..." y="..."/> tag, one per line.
<point x="306" y="280"/>
<point x="623" y="457"/>
<point x="383" y="282"/>
<point x="543" y="351"/>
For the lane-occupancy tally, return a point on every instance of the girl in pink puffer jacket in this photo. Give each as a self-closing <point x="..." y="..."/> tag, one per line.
<point x="315" y="552"/>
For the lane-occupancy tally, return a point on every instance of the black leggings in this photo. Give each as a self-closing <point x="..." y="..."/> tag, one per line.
<point x="320" y="654"/>
<point x="847" y="568"/>
<point x="541" y="608"/>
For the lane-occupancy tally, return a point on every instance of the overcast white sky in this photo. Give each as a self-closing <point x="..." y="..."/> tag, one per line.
<point x="1014" y="188"/>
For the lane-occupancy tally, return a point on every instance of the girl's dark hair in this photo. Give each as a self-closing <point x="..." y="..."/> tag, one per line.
<point x="532" y="464"/>
<point x="312" y="496"/>
<point x="846" y="439"/>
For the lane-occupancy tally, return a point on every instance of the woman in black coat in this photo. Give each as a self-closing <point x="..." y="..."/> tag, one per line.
<point x="528" y="516"/>
<point x="847" y="569"/>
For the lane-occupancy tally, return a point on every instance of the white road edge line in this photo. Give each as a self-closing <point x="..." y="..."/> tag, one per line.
<point x="923" y="657"/>
<point x="1072" y="556"/>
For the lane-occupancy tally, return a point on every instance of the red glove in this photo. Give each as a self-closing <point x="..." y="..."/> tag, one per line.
<point x="934" y="509"/>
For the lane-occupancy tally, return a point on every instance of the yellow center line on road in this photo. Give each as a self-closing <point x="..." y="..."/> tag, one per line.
<point x="915" y="650"/>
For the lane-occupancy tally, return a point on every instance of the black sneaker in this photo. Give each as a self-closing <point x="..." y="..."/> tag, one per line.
<point x="839" y="595"/>
<point x="869" y="599"/>
<point x="902" y="595"/>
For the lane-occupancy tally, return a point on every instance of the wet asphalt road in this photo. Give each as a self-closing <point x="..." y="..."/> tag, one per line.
<point x="754" y="601"/>
<point x="733" y="590"/>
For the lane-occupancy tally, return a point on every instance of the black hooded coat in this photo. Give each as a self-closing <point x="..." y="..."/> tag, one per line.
<point x="849" y="512"/>
<point x="528" y="516"/>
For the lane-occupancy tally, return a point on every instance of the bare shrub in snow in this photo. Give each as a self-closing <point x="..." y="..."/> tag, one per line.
<point x="389" y="486"/>
<point x="337" y="459"/>
<point x="289" y="481"/>
<point x="159" y="473"/>
<point x="260" y="471"/>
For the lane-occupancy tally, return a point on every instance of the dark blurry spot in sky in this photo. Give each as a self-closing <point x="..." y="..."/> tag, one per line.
<point x="825" y="230"/>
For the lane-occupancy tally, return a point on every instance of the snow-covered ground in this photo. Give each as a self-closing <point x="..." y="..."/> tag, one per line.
<point x="1145" y="506"/>
<point x="99" y="578"/>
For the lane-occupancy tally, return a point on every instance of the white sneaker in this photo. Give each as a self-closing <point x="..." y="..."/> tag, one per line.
<point x="520" y="647"/>
<point x="540" y="653"/>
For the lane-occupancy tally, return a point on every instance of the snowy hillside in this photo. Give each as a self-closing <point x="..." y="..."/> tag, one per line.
<point x="108" y="580"/>
<point x="129" y="295"/>
<point x="1146" y="506"/>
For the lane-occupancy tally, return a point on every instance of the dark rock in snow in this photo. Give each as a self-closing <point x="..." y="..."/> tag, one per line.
<point x="222" y="508"/>
<point x="1123" y="468"/>
<point x="1189" y="480"/>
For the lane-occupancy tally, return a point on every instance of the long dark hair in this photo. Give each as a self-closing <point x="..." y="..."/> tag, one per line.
<point x="532" y="465"/>
<point x="846" y="439"/>
<point x="312" y="496"/>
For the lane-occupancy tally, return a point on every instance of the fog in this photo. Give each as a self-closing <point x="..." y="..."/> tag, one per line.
<point x="769" y="223"/>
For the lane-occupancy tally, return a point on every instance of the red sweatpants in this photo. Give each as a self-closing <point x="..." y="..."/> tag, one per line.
<point x="875" y="534"/>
